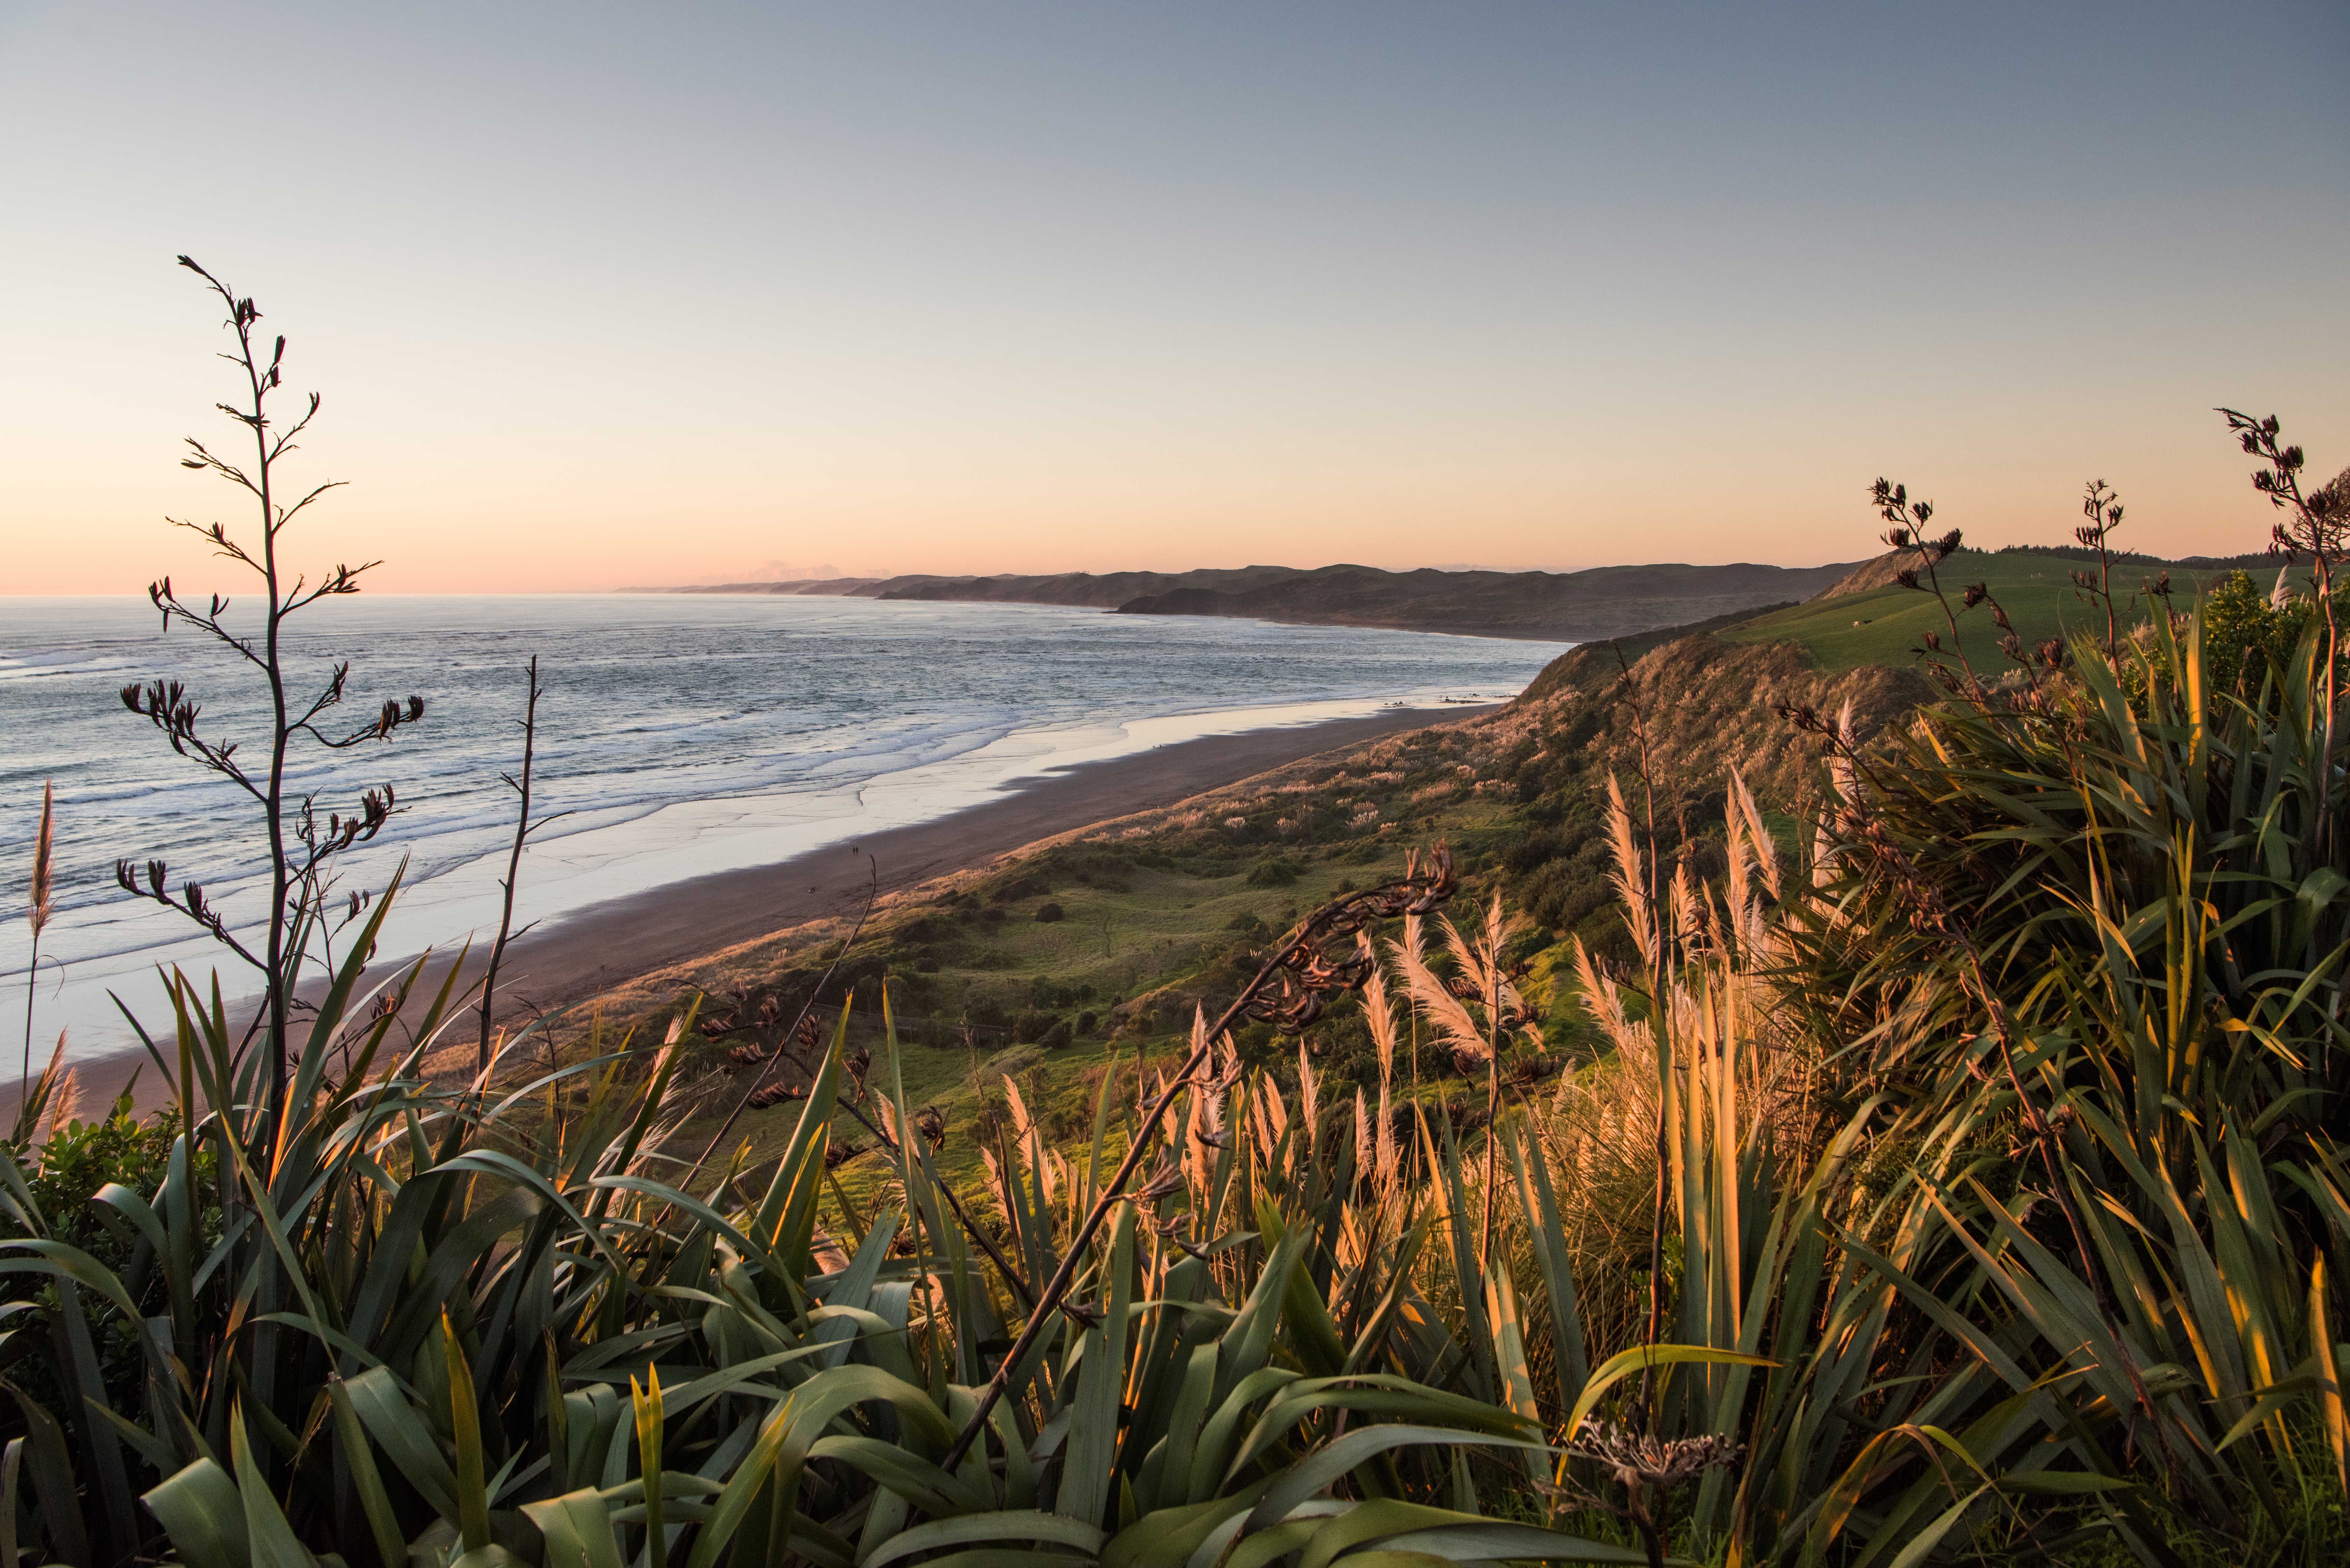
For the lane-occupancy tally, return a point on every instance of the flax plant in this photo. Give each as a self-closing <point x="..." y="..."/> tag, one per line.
<point x="2315" y="525"/>
<point x="498" y="1334"/>
<point x="2073" y="951"/>
<point x="2001" y="1138"/>
<point x="524" y="826"/>
<point x="300" y="849"/>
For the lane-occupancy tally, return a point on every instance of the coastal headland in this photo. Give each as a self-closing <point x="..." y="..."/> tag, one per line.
<point x="1550" y="607"/>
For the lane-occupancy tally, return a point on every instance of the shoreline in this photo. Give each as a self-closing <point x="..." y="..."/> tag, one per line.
<point x="576" y="957"/>
<point x="1572" y="637"/>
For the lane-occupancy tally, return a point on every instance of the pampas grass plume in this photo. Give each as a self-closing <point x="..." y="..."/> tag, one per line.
<point x="65" y="1103"/>
<point x="44" y="875"/>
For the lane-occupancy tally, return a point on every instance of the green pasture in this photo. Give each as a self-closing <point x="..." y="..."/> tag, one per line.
<point x="1133" y="954"/>
<point x="1884" y="625"/>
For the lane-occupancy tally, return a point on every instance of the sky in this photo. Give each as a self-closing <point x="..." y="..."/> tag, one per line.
<point x="603" y="295"/>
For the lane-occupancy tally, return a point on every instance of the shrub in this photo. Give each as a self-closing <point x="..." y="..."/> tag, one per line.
<point x="1532" y="851"/>
<point x="1055" y="1037"/>
<point x="928" y="929"/>
<point x="912" y="992"/>
<point x="1046" y="914"/>
<point x="84" y="1157"/>
<point x="1053" y="995"/>
<point x="1030" y="1027"/>
<point x="2246" y="636"/>
<point x="858" y="970"/>
<point x="1102" y="869"/>
<point x="76" y="1163"/>
<point x="1272" y="873"/>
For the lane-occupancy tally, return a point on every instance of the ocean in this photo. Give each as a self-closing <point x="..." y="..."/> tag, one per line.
<point x="680" y="734"/>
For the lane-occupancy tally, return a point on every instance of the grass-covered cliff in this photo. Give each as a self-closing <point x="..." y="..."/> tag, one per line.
<point x="1871" y="619"/>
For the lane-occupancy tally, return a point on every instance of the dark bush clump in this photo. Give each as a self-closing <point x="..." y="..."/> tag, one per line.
<point x="1048" y="913"/>
<point x="1056" y="1037"/>
<point x="1534" y="851"/>
<point x="1053" y="995"/>
<point x="913" y="990"/>
<point x="1273" y="873"/>
<point x="860" y="969"/>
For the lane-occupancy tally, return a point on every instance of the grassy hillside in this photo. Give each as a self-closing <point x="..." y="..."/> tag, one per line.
<point x="1882" y="626"/>
<point x="1156" y="914"/>
<point x="1138" y="944"/>
<point x="1170" y="909"/>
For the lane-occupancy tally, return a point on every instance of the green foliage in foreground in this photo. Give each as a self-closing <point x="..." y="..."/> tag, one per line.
<point x="2084" y="953"/>
<point x="448" y="1325"/>
<point x="2245" y="633"/>
<point x="76" y="1161"/>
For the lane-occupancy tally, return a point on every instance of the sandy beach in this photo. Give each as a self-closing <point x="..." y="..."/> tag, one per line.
<point x="608" y="945"/>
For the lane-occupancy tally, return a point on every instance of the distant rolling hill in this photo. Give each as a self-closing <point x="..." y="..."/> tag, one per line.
<point x="1564" y="606"/>
<point x="1577" y="607"/>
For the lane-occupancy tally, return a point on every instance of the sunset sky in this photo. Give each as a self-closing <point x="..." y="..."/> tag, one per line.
<point x="611" y="294"/>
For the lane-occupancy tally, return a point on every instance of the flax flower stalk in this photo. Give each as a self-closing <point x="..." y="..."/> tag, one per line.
<point x="42" y="904"/>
